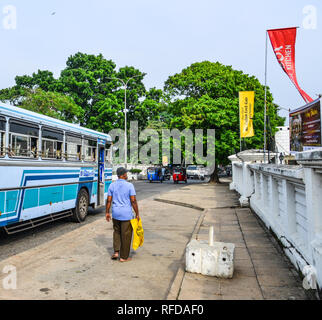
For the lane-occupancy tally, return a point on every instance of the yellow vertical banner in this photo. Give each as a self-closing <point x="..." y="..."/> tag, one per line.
<point x="246" y="113"/>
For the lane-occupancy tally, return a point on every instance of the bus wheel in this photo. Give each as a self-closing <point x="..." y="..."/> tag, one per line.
<point x="80" y="212"/>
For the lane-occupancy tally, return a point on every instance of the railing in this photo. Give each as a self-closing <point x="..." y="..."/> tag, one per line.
<point x="45" y="155"/>
<point x="2" y="151"/>
<point x="288" y="199"/>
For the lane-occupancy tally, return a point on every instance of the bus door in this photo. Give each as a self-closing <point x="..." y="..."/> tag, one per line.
<point x="101" y="180"/>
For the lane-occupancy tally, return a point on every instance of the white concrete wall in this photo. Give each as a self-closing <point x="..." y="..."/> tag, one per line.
<point x="288" y="199"/>
<point x="141" y="175"/>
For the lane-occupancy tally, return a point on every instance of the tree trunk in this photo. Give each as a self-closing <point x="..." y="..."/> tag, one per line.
<point x="214" y="179"/>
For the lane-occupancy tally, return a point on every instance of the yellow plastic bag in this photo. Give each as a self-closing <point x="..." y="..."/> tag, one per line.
<point x="138" y="233"/>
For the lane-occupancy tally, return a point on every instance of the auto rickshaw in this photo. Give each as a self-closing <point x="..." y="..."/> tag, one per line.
<point x="179" y="174"/>
<point x="155" y="174"/>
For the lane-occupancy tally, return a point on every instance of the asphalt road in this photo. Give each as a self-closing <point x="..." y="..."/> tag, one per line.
<point x="145" y="189"/>
<point x="15" y="244"/>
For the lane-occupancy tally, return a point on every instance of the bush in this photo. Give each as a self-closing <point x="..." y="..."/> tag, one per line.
<point x="135" y="171"/>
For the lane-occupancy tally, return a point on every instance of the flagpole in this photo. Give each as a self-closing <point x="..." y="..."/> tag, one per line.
<point x="240" y="139"/>
<point x="265" y="99"/>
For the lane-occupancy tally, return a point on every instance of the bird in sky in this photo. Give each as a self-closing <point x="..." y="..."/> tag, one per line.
<point x="53" y="13"/>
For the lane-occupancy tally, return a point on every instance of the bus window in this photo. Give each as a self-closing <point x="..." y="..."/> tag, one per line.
<point x="90" y="150"/>
<point x="23" y="139"/>
<point x="20" y="145"/>
<point x="74" y="147"/>
<point x="2" y="136"/>
<point x="2" y="144"/>
<point x="52" y="143"/>
<point x="33" y="147"/>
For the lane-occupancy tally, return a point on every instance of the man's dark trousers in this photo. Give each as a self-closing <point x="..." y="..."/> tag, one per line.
<point x="122" y="237"/>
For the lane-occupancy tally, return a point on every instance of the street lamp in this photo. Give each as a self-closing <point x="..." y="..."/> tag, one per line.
<point x="125" y="83"/>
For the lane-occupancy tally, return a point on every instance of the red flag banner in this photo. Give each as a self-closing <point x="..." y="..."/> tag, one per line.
<point x="283" y="43"/>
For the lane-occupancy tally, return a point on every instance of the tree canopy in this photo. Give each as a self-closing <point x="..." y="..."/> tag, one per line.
<point x="90" y="81"/>
<point x="206" y="95"/>
<point x="52" y="104"/>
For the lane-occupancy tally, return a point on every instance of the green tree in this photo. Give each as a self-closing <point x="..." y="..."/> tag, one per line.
<point x="25" y="85"/>
<point x="14" y="95"/>
<point x="43" y="79"/>
<point x="108" y="115"/>
<point x="153" y="108"/>
<point x="52" y="104"/>
<point x="88" y="80"/>
<point x="206" y="95"/>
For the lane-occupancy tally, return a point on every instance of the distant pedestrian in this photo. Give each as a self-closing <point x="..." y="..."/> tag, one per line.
<point x="122" y="196"/>
<point x="162" y="172"/>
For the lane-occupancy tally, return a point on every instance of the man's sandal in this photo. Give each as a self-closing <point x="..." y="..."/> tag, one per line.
<point x="115" y="256"/>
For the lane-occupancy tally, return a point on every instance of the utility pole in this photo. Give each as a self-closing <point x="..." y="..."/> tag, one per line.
<point x="265" y="102"/>
<point x="125" y="83"/>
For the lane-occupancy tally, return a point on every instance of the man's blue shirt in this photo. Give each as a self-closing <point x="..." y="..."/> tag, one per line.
<point x="121" y="191"/>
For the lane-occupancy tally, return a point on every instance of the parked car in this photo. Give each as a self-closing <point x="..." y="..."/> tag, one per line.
<point x="222" y="172"/>
<point x="196" y="172"/>
<point x="229" y="170"/>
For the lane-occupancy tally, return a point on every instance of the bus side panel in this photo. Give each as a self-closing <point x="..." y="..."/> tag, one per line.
<point x="19" y="205"/>
<point x="2" y="200"/>
<point x="108" y="180"/>
<point x="9" y="200"/>
<point x="94" y="193"/>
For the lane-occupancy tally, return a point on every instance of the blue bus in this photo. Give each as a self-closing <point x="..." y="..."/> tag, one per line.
<point x="49" y="169"/>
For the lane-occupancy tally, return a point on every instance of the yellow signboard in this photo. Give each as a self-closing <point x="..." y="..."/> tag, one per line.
<point x="165" y="161"/>
<point x="246" y="113"/>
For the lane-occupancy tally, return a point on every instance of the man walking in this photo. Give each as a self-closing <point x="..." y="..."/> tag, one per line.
<point x="123" y="197"/>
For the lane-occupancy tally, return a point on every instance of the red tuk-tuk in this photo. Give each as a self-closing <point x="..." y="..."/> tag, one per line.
<point x="179" y="174"/>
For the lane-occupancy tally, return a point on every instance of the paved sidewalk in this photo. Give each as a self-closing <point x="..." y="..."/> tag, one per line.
<point x="261" y="269"/>
<point x="77" y="264"/>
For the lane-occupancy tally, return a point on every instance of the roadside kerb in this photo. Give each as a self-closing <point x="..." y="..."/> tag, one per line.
<point x="177" y="203"/>
<point x="175" y="288"/>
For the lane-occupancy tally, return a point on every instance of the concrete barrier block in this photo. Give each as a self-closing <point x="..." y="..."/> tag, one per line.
<point x="212" y="260"/>
<point x="244" y="202"/>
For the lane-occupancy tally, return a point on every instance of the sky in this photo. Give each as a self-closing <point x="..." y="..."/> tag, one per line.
<point x="161" y="37"/>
